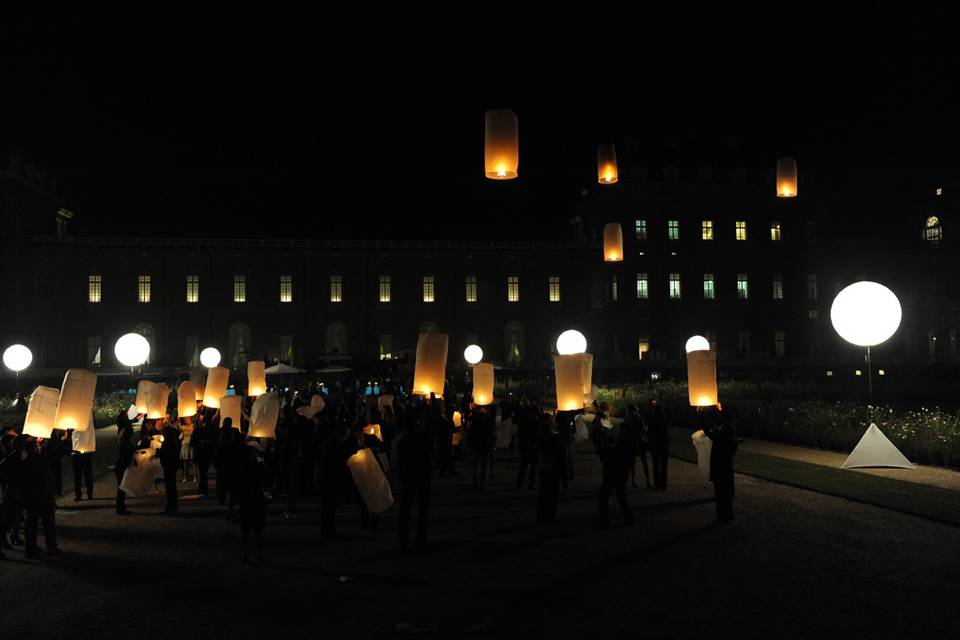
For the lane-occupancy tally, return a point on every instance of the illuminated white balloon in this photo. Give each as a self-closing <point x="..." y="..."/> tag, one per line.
<point x="210" y="357"/>
<point x="866" y="313"/>
<point x="698" y="343"/>
<point x="17" y="357"/>
<point x="473" y="354"/>
<point x="571" y="341"/>
<point x="132" y="350"/>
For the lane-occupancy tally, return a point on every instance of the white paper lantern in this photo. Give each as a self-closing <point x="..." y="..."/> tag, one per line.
<point x="501" y="149"/>
<point x="568" y="370"/>
<point x="473" y="354"/>
<point x="586" y="366"/>
<point x="866" y="313"/>
<point x="76" y="400"/>
<point x="142" y="401"/>
<point x="17" y="357"/>
<point x="483" y="383"/>
<point x="230" y="407"/>
<point x="198" y="378"/>
<point x="430" y="369"/>
<point x="186" y="400"/>
<point x="158" y="397"/>
<point x="85" y="441"/>
<point x="41" y="412"/>
<point x="217" y="380"/>
<point x="256" y="378"/>
<point x="697" y="343"/>
<point x="702" y="378"/>
<point x="132" y="350"/>
<point x="210" y="357"/>
<point x="264" y="415"/>
<point x="571" y="341"/>
<point x="612" y="242"/>
<point x="786" y="178"/>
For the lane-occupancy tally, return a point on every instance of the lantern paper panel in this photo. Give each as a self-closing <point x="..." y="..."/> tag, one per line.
<point x="264" y="415"/>
<point x="786" y="178"/>
<point x="586" y="365"/>
<point x="41" y="412"/>
<point x="230" y="408"/>
<point x="143" y="396"/>
<point x="217" y="380"/>
<point x="483" y="383"/>
<point x="607" y="164"/>
<point x="612" y="242"/>
<point x="457" y="419"/>
<point x="198" y="378"/>
<point x="568" y="371"/>
<point x="371" y="484"/>
<point x="702" y="378"/>
<point x="501" y="149"/>
<point x="85" y="441"/>
<point x="256" y="378"/>
<point x="431" y="364"/>
<point x="317" y="404"/>
<point x="157" y="400"/>
<point x="186" y="400"/>
<point x="374" y="430"/>
<point x="76" y="400"/>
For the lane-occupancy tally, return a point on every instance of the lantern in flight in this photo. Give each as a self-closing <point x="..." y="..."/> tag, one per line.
<point x="256" y="378"/>
<point x="483" y="383"/>
<point x="431" y="365"/>
<point x="612" y="242"/>
<point x="76" y="400"/>
<point x="216" y="388"/>
<point x="786" y="178"/>
<point x="607" y="164"/>
<point x="501" y="149"/>
<point x="701" y="373"/>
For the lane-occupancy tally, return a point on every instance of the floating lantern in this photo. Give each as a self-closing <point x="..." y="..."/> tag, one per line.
<point x="786" y="178"/>
<point x="431" y="364"/>
<point x="198" y="378"/>
<point x="374" y="430"/>
<point x="866" y="313"/>
<point x="142" y="401"/>
<point x="473" y="354"/>
<point x="186" y="400"/>
<point x="230" y="407"/>
<point x="17" y="358"/>
<point x="483" y="383"/>
<point x="210" y="357"/>
<point x="701" y="375"/>
<point x="217" y="380"/>
<point x="41" y="412"/>
<point x="568" y="370"/>
<point x="256" y="378"/>
<point x="76" y="400"/>
<point x="501" y="151"/>
<point x="371" y="484"/>
<point x="132" y="350"/>
<point x="457" y="419"/>
<point x="571" y="341"/>
<point x="264" y="415"/>
<point x="157" y="399"/>
<point x="612" y="242"/>
<point x="607" y="164"/>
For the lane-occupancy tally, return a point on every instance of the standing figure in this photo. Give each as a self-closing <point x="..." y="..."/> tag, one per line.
<point x="170" y="461"/>
<point x="415" y="451"/>
<point x="125" y="451"/>
<point x="721" y="464"/>
<point x="527" y="420"/>
<point x="203" y="439"/>
<point x="187" y="449"/>
<point x="249" y="483"/>
<point x="82" y="464"/>
<point x="11" y="507"/>
<point x="550" y="465"/>
<point x="334" y="477"/>
<point x="636" y="440"/>
<point x="37" y="482"/>
<point x="224" y="459"/>
<point x="613" y="452"/>
<point x="659" y="444"/>
<point x="481" y="440"/>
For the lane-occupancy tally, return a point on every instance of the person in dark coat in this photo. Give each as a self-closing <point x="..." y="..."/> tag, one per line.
<point x="125" y="451"/>
<point x="613" y="452"/>
<point x="203" y="441"/>
<point x="250" y="476"/>
<point x="334" y="477"/>
<point x="170" y="461"/>
<point x="550" y="463"/>
<point x="415" y="451"/>
<point x="82" y="464"/>
<point x="528" y="428"/>
<point x="12" y="505"/>
<point x="636" y="439"/>
<point x="659" y="444"/>
<point x="481" y="439"/>
<point x="224" y="457"/>
<point x="442" y="430"/>
<point x="37" y="482"/>
<point x="721" y="463"/>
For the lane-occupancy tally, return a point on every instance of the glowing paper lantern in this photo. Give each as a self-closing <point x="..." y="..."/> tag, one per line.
<point x="41" y="412"/>
<point x="132" y="350"/>
<point x="786" y="178"/>
<point x="431" y="365"/>
<point x="612" y="242"/>
<point x="457" y="419"/>
<point x="76" y="400"/>
<point x="374" y="430"/>
<point x="17" y="358"/>
<point x="697" y="343"/>
<point x="702" y="378"/>
<point x="157" y="399"/>
<point x="586" y="365"/>
<point x="483" y="383"/>
<point x="198" y="378"/>
<point x="210" y="357"/>
<point x="607" y="164"/>
<point x="217" y="380"/>
<point x="568" y="370"/>
<point x="571" y="341"/>
<point x="317" y="404"/>
<point x="256" y="378"/>
<point x="186" y="400"/>
<point x="371" y="484"/>
<point x="142" y="401"/>
<point x="473" y="354"/>
<point x="85" y="441"/>
<point x="866" y="313"/>
<point x="264" y="415"/>
<point x="501" y="150"/>
<point x="230" y="407"/>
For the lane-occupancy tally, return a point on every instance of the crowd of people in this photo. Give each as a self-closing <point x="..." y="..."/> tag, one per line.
<point x="412" y="438"/>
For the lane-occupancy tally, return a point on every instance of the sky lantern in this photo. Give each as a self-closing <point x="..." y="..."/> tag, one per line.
<point x="157" y="400"/>
<point x="431" y="365"/>
<point x="501" y="149"/>
<point x="701" y="373"/>
<point x="230" y="408"/>
<point x="607" y="164"/>
<point x="612" y="242"/>
<point x="85" y="441"/>
<point x="483" y="383"/>
<point x="256" y="378"/>
<point x="568" y="370"/>
<point x="142" y="401"/>
<point x="217" y="380"/>
<point x="786" y="178"/>
<point x="186" y="400"/>
<point x="198" y="378"/>
<point x="41" y="412"/>
<point x="264" y="415"/>
<point x="76" y="400"/>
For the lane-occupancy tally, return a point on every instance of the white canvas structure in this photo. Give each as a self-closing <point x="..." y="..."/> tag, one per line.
<point x="876" y="450"/>
<point x="704" y="446"/>
<point x="371" y="483"/>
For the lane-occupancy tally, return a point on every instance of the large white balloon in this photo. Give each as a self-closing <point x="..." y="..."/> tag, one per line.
<point x="210" y="357"/>
<point x="698" y="343"/>
<point x="473" y="354"/>
<point x="571" y="341"/>
<point x="132" y="350"/>
<point x="865" y="313"/>
<point x="17" y="357"/>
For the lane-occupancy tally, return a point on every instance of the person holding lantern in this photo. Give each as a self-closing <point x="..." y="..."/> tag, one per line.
<point x="613" y="451"/>
<point x="721" y="462"/>
<point x="125" y="452"/>
<point x="170" y="461"/>
<point x="37" y="482"/>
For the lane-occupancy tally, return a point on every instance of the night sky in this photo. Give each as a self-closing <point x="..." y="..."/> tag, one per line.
<point x="342" y="123"/>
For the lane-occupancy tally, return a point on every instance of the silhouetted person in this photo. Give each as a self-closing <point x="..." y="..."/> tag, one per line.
<point x="636" y="439"/>
<point x="481" y="439"/>
<point x="442" y="430"/>
<point x="334" y="477"/>
<point x="11" y="507"/>
<point x="37" y="484"/>
<point x="82" y="464"/>
<point x="659" y="444"/>
<point x="550" y="463"/>
<point x="125" y="452"/>
<point x="224" y="457"/>
<point x="614" y="455"/>
<point x="414" y="471"/>
<point x="170" y="461"/>
<point x="721" y="463"/>
<point x="203" y="440"/>
<point x="528" y="427"/>
<point x="250" y="477"/>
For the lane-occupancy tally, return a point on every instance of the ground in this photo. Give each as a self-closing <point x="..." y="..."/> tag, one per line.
<point x="795" y="564"/>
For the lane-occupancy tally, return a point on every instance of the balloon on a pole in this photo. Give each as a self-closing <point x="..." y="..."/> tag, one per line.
<point x="17" y="357"/>
<point x="210" y="357"/>
<point x="132" y="350"/>
<point x="866" y="313"/>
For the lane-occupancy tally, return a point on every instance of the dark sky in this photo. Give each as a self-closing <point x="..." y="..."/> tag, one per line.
<point x="350" y="123"/>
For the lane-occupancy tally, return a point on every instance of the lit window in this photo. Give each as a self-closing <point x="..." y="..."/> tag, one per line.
<point x="614" y="289"/>
<point x="706" y="229"/>
<point x="643" y="286"/>
<point x="775" y="231"/>
<point x="811" y="286"/>
<point x="709" y="291"/>
<point x="513" y="289"/>
<point x="741" y="230"/>
<point x="94" y="284"/>
<point x="939" y="191"/>
<point x="336" y="288"/>
<point x="675" y="286"/>
<point x="743" y="291"/>
<point x="933" y="232"/>
<point x="829" y="373"/>
<point x="384" y="288"/>
<point x="286" y="288"/>
<point x="554" y="288"/>
<point x="471" y="288"/>
<point x="779" y="343"/>
<point x="673" y="229"/>
<point x="239" y="288"/>
<point x="386" y="346"/>
<point x="193" y="289"/>
<point x="641" y="228"/>
<point x="813" y="314"/>
<point x="143" y="289"/>
<point x="428" y="289"/>
<point x="778" y="286"/>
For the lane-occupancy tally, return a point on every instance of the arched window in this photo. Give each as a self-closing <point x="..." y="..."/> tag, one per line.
<point x="240" y="345"/>
<point x="429" y="325"/>
<point x="146" y="331"/>
<point x="336" y="338"/>
<point x="513" y="342"/>
<point x="932" y="231"/>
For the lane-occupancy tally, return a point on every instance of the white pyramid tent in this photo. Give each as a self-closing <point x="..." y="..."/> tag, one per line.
<point x="876" y="450"/>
